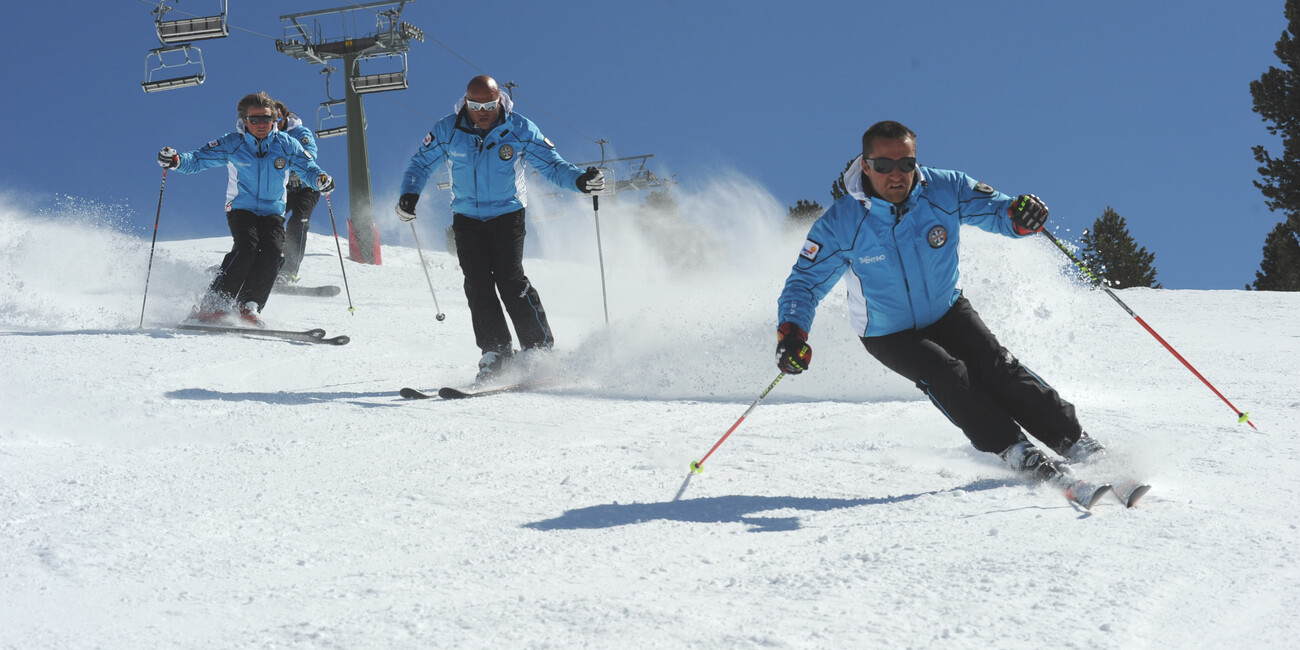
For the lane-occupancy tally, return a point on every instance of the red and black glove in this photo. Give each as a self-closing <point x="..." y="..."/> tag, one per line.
<point x="1028" y="214"/>
<point x="792" y="351"/>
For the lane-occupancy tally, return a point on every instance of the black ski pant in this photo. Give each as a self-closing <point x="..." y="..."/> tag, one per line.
<point x="491" y="255"/>
<point x="977" y="383"/>
<point x="301" y="201"/>
<point x="248" y="270"/>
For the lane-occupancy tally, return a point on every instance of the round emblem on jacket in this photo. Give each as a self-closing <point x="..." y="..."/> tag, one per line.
<point x="280" y="163"/>
<point x="938" y="237"/>
<point x="506" y="152"/>
<point x="306" y="140"/>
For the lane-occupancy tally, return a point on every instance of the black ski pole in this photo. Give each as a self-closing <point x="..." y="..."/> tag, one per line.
<point x="351" y="310"/>
<point x="1101" y="282"/>
<point x="600" y="252"/>
<point x="149" y="272"/>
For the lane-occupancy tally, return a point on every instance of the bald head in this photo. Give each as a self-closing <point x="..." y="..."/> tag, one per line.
<point x="482" y="86"/>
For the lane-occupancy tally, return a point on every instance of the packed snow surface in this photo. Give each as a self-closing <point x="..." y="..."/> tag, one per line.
<point x="162" y="489"/>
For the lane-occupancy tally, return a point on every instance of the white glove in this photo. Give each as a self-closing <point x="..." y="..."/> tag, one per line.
<point x="593" y="180"/>
<point x="167" y="158"/>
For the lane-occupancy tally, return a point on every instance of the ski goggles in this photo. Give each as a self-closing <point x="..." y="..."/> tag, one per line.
<point x="260" y="119"/>
<point x="483" y="106"/>
<point x="886" y="165"/>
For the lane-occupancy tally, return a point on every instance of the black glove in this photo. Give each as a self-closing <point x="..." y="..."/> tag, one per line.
<point x="324" y="184"/>
<point x="1028" y="213"/>
<point x="168" y="158"/>
<point x="406" y="207"/>
<point x="592" y="180"/>
<point x="792" y="351"/>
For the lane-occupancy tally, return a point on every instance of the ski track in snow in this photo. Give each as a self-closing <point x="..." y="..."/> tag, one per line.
<point x="164" y="489"/>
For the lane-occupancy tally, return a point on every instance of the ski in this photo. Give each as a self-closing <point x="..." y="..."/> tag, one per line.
<point x="301" y="336"/>
<point x="447" y="392"/>
<point x="1085" y="494"/>
<point x="325" y="291"/>
<point x="1130" y="491"/>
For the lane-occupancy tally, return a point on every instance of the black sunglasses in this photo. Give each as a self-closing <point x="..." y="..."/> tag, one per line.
<point x="886" y="165"/>
<point x="260" y="119"/>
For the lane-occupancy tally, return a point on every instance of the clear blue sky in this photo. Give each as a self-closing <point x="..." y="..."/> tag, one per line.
<point x="1142" y="106"/>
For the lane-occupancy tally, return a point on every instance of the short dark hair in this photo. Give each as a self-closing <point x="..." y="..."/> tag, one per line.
<point x="256" y="99"/>
<point x="281" y="109"/>
<point x="886" y="130"/>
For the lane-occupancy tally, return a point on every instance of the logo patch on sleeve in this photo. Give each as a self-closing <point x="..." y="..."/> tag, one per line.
<point x="306" y="140"/>
<point x="548" y="142"/>
<point x="810" y="250"/>
<point x="213" y="143"/>
<point x="983" y="188"/>
<point x="428" y="138"/>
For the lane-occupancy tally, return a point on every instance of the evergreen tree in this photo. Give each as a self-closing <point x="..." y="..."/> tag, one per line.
<point x="1276" y="97"/>
<point x="838" y="190"/>
<point x="803" y="213"/>
<point x="1110" y="251"/>
<point x="1280" y="270"/>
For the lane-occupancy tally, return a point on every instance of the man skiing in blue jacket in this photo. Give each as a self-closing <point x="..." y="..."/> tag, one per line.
<point x="487" y="145"/>
<point x="301" y="198"/>
<point x="896" y="234"/>
<point x="258" y="161"/>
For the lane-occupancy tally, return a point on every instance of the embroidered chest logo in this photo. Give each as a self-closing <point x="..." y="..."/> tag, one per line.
<point x="871" y="259"/>
<point x="938" y="237"/>
<point x="280" y="163"/>
<point x="506" y="152"/>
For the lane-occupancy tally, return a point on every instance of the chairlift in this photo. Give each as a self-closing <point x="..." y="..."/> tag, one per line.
<point x="190" y="57"/>
<point x="380" y="82"/>
<point x="323" y="131"/>
<point x="327" y="106"/>
<point x="187" y="30"/>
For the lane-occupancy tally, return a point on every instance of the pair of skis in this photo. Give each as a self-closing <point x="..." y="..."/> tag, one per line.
<point x="299" y="336"/>
<point x="1086" y="494"/>
<point x="447" y="392"/>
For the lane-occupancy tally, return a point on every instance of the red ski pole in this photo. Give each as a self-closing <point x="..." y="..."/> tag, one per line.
<point x="698" y="466"/>
<point x="1241" y="416"/>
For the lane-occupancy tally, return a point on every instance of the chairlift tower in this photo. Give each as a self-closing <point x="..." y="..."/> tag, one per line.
<point x="304" y="40"/>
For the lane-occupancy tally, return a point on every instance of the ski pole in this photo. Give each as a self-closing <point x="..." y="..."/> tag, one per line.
<point x="149" y="272"/>
<point x="698" y="466"/>
<point x="351" y="310"/>
<point x="441" y="316"/>
<point x="1099" y="281"/>
<point x="600" y="251"/>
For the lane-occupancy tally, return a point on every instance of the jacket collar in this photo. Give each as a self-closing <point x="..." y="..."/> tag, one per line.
<point x="855" y="183"/>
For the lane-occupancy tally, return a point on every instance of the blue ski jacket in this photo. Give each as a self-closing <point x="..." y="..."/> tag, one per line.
<point x="901" y="259"/>
<point x="487" y="169"/>
<point x="258" y="171"/>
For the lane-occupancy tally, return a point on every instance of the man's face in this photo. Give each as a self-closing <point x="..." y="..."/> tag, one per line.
<point x="894" y="185"/>
<point x="485" y="118"/>
<point x="259" y="121"/>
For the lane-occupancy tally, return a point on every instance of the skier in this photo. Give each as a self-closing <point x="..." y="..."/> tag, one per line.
<point x="301" y="199"/>
<point x="258" y="161"/>
<point x="487" y="144"/>
<point x="896" y="234"/>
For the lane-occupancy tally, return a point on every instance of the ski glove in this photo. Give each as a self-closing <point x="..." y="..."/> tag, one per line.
<point x="1028" y="214"/>
<point x="324" y="184"/>
<point x="168" y="158"/>
<point x="593" y="180"/>
<point x="792" y="351"/>
<point x="406" y="207"/>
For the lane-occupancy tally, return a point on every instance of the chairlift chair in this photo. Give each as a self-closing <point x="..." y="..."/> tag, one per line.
<point x="187" y="30"/>
<point x="380" y="82"/>
<point x="323" y="131"/>
<point x="192" y="57"/>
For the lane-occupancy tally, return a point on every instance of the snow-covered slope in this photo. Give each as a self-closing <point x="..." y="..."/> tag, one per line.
<point x="162" y="489"/>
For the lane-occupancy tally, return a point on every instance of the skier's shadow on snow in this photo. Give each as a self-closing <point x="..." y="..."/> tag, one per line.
<point x="728" y="509"/>
<point x="282" y="398"/>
